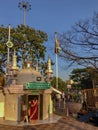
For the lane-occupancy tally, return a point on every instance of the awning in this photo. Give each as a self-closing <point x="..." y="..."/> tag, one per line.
<point x="55" y="90"/>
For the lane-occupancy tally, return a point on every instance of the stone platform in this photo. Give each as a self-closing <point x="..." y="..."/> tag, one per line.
<point x="53" y="123"/>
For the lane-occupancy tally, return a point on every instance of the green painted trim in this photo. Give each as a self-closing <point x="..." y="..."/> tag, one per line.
<point x="37" y="85"/>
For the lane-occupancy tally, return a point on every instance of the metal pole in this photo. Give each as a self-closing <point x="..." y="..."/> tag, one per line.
<point x="56" y="71"/>
<point x="8" y="60"/>
<point x="9" y="32"/>
<point x="25" y="16"/>
<point x="8" y="57"/>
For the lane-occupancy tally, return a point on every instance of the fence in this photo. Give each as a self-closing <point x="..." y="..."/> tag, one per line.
<point x="91" y="96"/>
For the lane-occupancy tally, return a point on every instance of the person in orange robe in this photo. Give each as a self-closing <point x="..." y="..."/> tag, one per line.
<point x="34" y="110"/>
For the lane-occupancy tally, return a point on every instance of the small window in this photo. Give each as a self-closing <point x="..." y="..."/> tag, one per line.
<point x="38" y="79"/>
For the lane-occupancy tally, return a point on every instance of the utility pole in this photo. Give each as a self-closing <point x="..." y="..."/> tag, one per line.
<point x="9" y="45"/>
<point x="57" y="51"/>
<point x="26" y="7"/>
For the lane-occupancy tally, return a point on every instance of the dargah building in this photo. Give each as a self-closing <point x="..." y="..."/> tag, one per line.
<point x="23" y="86"/>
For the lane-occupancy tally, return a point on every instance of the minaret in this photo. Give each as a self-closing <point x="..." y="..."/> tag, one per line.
<point x="49" y="70"/>
<point x="14" y="66"/>
<point x="14" y="69"/>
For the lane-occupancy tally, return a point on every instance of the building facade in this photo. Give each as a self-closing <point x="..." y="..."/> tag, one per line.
<point x="22" y="86"/>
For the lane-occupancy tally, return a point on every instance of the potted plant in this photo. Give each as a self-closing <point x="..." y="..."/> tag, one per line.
<point x="74" y="101"/>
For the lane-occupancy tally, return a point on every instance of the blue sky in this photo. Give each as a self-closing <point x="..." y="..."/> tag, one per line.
<point x="49" y="16"/>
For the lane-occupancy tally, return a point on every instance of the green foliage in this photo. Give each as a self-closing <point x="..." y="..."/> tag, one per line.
<point x="61" y="84"/>
<point x="27" y="42"/>
<point x="82" y="78"/>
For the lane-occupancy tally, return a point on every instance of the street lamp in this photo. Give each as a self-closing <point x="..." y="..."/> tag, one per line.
<point x="9" y="44"/>
<point x="26" y="7"/>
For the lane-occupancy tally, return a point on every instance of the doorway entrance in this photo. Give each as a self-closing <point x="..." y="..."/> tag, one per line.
<point x="25" y="105"/>
<point x="33" y="107"/>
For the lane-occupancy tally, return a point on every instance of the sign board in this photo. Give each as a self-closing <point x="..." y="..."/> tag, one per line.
<point x="37" y="85"/>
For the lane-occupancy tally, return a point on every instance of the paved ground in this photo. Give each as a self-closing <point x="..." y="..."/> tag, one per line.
<point x="63" y="123"/>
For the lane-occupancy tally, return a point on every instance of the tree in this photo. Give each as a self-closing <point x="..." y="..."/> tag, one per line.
<point x="80" y="44"/>
<point x="82" y="78"/>
<point x="28" y="43"/>
<point x="61" y="84"/>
